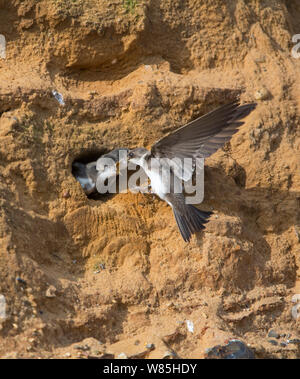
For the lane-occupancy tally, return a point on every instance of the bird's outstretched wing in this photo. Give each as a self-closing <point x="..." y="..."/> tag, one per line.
<point x="203" y="136"/>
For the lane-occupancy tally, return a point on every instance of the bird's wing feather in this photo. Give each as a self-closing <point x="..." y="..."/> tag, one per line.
<point x="203" y="136"/>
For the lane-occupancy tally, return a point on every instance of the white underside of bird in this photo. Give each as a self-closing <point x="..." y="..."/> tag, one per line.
<point x="158" y="186"/>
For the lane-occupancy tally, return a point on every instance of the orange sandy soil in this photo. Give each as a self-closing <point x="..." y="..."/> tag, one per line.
<point x="131" y="72"/>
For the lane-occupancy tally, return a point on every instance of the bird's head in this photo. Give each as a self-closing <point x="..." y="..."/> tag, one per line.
<point x="137" y="155"/>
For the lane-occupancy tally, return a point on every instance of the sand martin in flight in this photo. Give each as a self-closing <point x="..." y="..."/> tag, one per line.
<point x="197" y="139"/>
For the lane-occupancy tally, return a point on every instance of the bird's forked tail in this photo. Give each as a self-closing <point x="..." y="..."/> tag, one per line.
<point x="190" y="220"/>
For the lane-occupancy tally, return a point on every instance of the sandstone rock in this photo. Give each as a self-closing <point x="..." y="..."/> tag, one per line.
<point x="50" y="292"/>
<point x="235" y="349"/>
<point x="262" y="94"/>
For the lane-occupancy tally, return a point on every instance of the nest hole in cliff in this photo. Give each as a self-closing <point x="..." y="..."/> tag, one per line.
<point x="89" y="155"/>
<point x="79" y="163"/>
<point x="84" y="171"/>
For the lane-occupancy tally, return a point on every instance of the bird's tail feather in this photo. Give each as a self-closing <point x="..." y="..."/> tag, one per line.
<point x="190" y="220"/>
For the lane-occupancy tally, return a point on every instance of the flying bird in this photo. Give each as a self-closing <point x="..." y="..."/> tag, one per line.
<point x="197" y="139"/>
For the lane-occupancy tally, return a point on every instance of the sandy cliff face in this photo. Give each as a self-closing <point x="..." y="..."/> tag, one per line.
<point x="76" y="270"/>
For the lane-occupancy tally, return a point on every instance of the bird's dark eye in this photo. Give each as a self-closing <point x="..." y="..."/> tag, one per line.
<point x="130" y="155"/>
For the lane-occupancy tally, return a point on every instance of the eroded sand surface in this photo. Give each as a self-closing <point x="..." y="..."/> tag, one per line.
<point x="128" y="76"/>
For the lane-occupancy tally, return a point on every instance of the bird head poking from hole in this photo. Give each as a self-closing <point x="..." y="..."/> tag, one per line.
<point x="137" y="155"/>
<point x="103" y="167"/>
<point x="85" y="174"/>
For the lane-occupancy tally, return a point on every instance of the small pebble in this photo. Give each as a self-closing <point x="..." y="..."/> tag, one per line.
<point x="82" y="347"/>
<point x="273" y="334"/>
<point x="50" y="293"/>
<point x="190" y="326"/>
<point x="294" y="341"/>
<point x="235" y="349"/>
<point x="66" y="195"/>
<point x="21" y="281"/>
<point x="273" y="342"/>
<point x="122" y="356"/>
<point x="150" y="346"/>
<point x="262" y="94"/>
<point x="59" y="97"/>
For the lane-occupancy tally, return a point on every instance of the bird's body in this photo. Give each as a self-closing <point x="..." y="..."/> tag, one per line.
<point x="159" y="186"/>
<point x="198" y="139"/>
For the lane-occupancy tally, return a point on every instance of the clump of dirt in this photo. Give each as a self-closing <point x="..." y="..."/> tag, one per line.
<point x="84" y="277"/>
